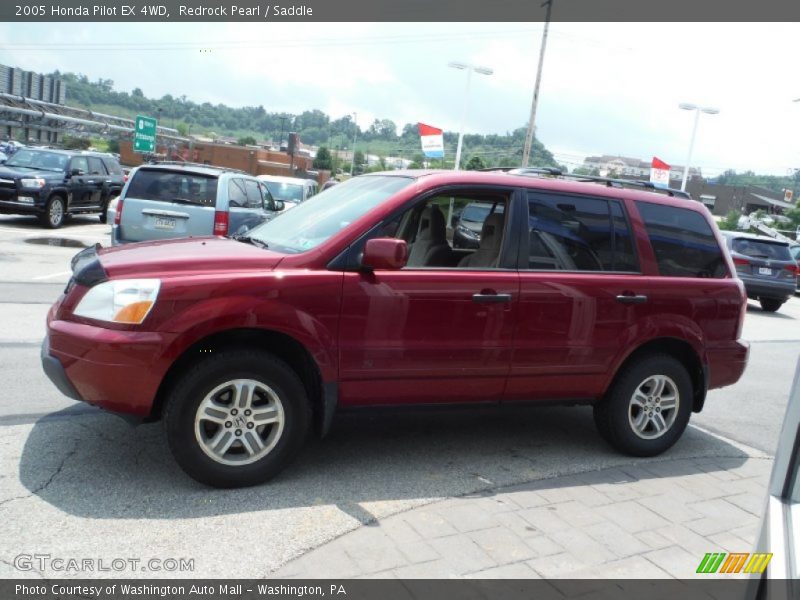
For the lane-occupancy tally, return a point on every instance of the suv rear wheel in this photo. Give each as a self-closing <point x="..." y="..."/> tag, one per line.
<point x="770" y="304"/>
<point x="55" y="213"/>
<point x="237" y="418"/>
<point x="647" y="408"/>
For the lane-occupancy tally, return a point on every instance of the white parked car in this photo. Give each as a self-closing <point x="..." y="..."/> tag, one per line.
<point x="291" y="190"/>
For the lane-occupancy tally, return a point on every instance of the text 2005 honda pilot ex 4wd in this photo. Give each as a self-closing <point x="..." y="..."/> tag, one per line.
<point x="578" y="293"/>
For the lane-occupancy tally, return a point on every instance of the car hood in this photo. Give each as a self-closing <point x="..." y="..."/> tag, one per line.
<point x="182" y="256"/>
<point x="20" y="172"/>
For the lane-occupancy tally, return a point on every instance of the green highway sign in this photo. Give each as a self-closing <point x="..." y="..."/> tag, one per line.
<point x="144" y="136"/>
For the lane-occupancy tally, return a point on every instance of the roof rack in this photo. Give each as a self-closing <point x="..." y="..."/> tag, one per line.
<point x="608" y="181"/>
<point x="182" y="163"/>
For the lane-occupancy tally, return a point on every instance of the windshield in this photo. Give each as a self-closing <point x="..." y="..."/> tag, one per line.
<point x="36" y="159"/>
<point x="313" y="222"/>
<point x="288" y="192"/>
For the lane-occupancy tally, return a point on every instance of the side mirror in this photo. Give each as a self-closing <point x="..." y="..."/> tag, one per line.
<point x="385" y="254"/>
<point x="279" y="205"/>
<point x="74" y="172"/>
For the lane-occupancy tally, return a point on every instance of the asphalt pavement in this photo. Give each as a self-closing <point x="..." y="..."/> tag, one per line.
<point x="74" y="478"/>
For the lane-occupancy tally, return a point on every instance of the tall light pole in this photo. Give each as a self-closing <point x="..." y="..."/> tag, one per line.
<point x="526" y="151"/>
<point x="355" y="133"/>
<point x="697" y="110"/>
<point x="469" y="69"/>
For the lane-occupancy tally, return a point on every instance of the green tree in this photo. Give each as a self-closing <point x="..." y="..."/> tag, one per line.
<point x="323" y="160"/>
<point x="247" y="140"/>
<point x="76" y="143"/>
<point x="731" y="221"/>
<point x="475" y="164"/>
<point x="359" y="161"/>
<point x="113" y="146"/>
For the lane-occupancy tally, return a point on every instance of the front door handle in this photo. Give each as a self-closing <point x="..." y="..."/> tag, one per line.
<point x="631" y="299"/>
<point x="491" y="298"/>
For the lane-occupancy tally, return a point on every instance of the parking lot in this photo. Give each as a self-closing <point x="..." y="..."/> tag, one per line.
<point x="74" y="478"/>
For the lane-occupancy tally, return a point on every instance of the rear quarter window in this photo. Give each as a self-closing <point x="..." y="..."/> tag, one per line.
<point x="683" y="242"/>
<point x="112" y="166"/>
<point x="173" y="186"/>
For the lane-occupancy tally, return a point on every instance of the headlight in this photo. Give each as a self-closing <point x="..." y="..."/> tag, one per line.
<point x="467" y="231"/>
<point x="37" y="182"/>
<point x="121" y="301"/>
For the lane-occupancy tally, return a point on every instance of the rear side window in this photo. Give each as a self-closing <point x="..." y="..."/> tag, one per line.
<point x="682" y="241"/>
<point x="112" y="166"/>
<point x="761" y="249"/>
<point x="96" y="166"/>
<point x="173" y="186"/>
<point x="574" y="233"/>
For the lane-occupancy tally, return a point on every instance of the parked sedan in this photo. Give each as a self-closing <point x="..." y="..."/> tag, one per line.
<point x="766" y="267"/>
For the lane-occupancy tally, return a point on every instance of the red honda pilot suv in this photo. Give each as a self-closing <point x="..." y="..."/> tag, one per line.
<point x="575" y="292"/>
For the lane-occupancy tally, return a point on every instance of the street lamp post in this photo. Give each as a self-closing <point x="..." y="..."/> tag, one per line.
<point x="469" y="69"/>
<point x="697" y="110"/>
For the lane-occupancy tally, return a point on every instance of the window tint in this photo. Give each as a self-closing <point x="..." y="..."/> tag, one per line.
<point x="80" y="163"/>
<point x="761" y="249"/>
<point x="237" y="193"/>
<point x="254" y="199"/>
<point x="169" y="186"/>
<point x="574" y="233"/>
<point x="96" y="166"/>
<point x="683" y="242"/>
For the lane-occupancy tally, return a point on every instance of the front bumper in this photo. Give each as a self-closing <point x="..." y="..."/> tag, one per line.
<point x="119" y="371"/>
<point x="726" y="362"/>
<point x="15" y="207"/>
<point x="55" y="372"/>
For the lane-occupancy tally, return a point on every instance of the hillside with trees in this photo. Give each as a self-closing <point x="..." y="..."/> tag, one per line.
<point x="383" y="137"/>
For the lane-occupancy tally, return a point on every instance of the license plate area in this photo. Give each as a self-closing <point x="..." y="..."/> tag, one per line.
<point x="164" y="223"/>
<point x="764" y="271"/>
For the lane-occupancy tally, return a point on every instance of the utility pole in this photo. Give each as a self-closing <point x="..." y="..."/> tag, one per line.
<point x="355" y="133"/>
<point x="280" y="139"/>
<point x="526" y="152"/>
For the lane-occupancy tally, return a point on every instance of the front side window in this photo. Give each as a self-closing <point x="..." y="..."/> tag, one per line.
<point x="237" y="193"/>
<point x="315" y="221"/>
<point x="81" y="164"/>
<point x="574" y="233"/>
<point x="254" y="198"/>
<point x="683" y="242"/>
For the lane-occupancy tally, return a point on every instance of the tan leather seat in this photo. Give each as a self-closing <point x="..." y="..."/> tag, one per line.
<point x="431" y="247"/>
<point x="488" y="253"/>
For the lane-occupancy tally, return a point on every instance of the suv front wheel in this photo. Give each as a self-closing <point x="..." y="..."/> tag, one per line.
<point x="236" y="418"/>
<point x="55" y="213"/>
<point x="647" y="408"/>
<point x="770" y="304"/>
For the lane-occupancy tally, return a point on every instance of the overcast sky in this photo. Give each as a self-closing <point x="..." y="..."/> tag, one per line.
<point x="607" y="88"/>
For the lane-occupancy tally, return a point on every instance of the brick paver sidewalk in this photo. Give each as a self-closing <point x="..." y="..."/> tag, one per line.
<point x="655" y="519"/>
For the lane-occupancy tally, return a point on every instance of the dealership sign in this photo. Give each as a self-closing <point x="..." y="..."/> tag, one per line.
<point x="659" y="173"/>
<point x="432" y="141"/>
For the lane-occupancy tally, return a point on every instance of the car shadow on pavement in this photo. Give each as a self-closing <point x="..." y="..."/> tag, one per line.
<point x="752" y="308"/>
<point x="370" y="465"/>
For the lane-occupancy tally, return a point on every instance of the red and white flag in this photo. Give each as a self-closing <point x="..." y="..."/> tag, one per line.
<point x="432" y="141"/>
<point x="659" y="173"/>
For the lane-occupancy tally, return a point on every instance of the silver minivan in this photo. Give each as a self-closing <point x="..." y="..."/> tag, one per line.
<point x="169" y="200"/>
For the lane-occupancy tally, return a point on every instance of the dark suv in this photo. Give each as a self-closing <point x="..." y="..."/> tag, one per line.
<point x="577" y="293"/>
<point x="55" y="183"/>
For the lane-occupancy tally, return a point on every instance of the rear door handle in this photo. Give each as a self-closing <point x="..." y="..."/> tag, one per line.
<point x="491" y="298"/>
<point x="631" y="299"/>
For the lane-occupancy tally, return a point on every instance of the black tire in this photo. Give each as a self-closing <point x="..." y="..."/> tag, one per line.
<point x="770" y="304"/>
<point x="613" y="415"/>
<point x="190" y="390"/>
<point x="52" y="216"/>
<point x="103" y="216"/>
